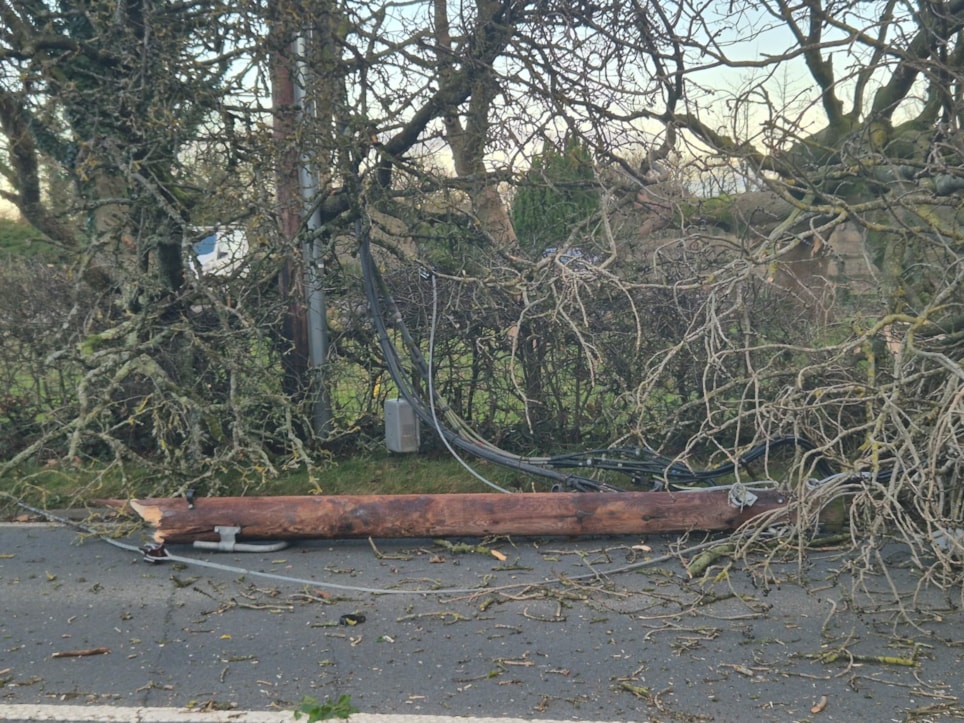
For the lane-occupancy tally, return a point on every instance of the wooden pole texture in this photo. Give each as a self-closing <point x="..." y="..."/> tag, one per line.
<point x="449" y="515"/>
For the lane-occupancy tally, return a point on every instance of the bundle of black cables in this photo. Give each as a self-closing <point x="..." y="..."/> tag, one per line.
<point x="643" y="465"/>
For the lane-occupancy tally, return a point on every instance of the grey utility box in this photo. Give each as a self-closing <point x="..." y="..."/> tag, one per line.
<point x="401" y="426"/>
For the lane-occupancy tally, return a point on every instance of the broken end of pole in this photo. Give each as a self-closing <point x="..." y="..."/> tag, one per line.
<point x="150" y="514"/>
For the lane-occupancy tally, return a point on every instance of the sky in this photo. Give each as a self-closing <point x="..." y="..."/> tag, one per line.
<point x="7" y="210"/>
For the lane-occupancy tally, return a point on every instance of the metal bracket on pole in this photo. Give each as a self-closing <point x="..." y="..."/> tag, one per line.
<point x="741" y="497"/>
<point x="229" y="542"/>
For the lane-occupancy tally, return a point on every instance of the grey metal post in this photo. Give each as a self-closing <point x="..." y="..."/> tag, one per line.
<point x="314" y="258"/>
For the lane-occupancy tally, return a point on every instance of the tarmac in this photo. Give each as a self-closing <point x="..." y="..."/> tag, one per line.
<point x="412" y="631"/>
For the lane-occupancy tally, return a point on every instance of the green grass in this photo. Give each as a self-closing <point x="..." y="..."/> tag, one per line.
<point x="341" y="708"/>
<point x="18" y="238"/>
<point x="58" y="486"/>
<point x="397" y="474"/>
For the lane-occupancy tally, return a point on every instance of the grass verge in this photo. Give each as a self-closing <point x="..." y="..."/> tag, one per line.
<point x="62" y="486"/>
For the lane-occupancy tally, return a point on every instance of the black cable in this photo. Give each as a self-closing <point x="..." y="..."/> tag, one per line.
<point x="641" y="463"/>
<point x="373" y="283"/>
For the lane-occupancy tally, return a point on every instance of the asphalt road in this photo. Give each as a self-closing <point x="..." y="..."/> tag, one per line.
<point x="606" y="629"/>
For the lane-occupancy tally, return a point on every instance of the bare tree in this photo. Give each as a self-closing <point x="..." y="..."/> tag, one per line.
<point x="775" y="249"/>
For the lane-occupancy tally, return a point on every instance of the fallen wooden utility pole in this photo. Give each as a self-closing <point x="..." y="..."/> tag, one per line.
<point x="180" y="520"/>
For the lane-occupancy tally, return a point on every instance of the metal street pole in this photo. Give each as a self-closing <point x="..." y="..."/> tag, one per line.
<point x="314" y="254"/>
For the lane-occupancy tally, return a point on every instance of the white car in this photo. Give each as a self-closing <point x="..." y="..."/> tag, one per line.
<point x="220" y="252"/>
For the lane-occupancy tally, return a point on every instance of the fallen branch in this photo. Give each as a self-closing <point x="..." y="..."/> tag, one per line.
<point x="699" y="564"/>
<point x="82" y="653"/>
<point x="836" y="655"/>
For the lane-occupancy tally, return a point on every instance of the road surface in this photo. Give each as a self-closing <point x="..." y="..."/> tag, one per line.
<point x="602" y="629"/>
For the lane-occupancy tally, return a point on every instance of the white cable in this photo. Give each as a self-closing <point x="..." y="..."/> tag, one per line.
<point x="246" y="572"/>
<point x="431" y="394"/>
